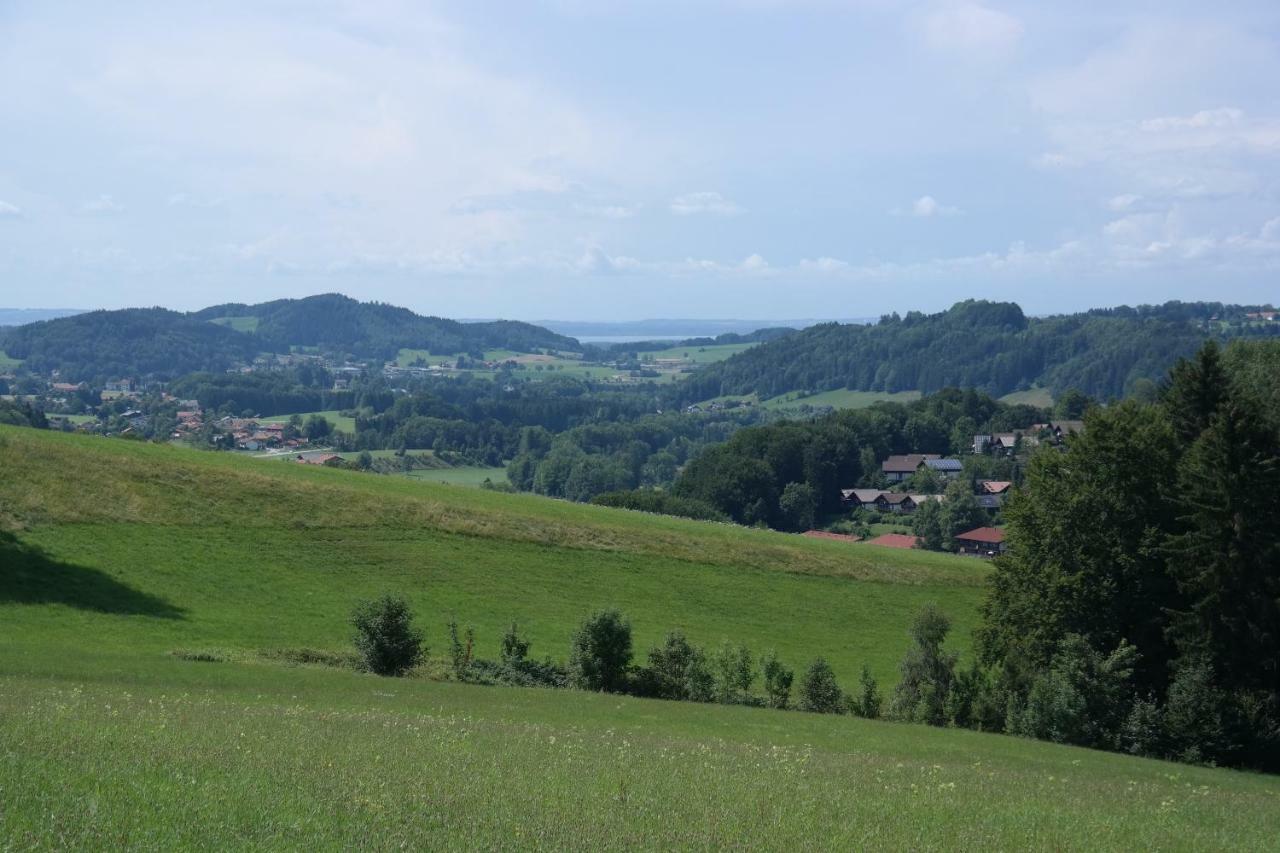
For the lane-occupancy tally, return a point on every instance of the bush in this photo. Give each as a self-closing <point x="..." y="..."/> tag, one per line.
<point x="601" y="652"/>
<point x="385" y="637"/>
<point x="514" y="649"/>
<point x="460" y="651"/>
<point x="678" y="670"/>
<point x="1085" y="698"/>
<point x="1195" y="727"/>
<point x="867" y="703"/>
<point x="819" y="692"/>
<point x="777" y="680"/>
<point x="734" y="673"/>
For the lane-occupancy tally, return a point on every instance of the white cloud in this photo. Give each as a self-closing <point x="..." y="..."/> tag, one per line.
<point x="690" y="204"/>
<point x="971" y="28"/>
<point x="926" y="207"/>
<point x="823" y="265"/>
<point x="606" y="211"/>
<point x="596" y="261"/>
<point x="102" y="204"/>
<point x="753" y="264"/>
<point x="9" y="211"/>
<point x="1124" y="201"/>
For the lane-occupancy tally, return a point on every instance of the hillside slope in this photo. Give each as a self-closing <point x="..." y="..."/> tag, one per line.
<point x="254" y="555"/>
<point x="115" y="554"/>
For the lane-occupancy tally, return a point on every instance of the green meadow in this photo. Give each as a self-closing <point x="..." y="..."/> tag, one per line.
<point x="7" y="363"/>
<point x="335" y="418"/>
<point x="119" y="554"/>
<point x="842" y="398"/>
<point x="1040" y="397"/>
<point x="239" y="324"/>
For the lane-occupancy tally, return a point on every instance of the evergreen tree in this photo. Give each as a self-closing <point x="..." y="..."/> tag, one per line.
<point x="1196" y="388"/>
<point x="1227" y="561"/>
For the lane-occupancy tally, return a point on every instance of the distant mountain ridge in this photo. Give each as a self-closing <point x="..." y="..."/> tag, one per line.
<point x="22" y="316"/>
<point x="157" y="342"/>
<point x="991" y="346"/>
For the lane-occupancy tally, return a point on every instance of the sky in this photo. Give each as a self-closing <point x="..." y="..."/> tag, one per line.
<point x="602" y="160"/>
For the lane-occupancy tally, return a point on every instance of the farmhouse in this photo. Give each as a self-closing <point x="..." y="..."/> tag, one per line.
<point x="981" y="541"/>
<point x="949" y="468"/>
<point x="991" y="493"/>
<point x="901" y="466"/>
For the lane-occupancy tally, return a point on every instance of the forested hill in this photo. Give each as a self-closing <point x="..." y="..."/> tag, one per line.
<point x="156" y="342"/>
<point x="374" y="329"/>
<point x="991" y="346"/>
<point x="132" y="342"/>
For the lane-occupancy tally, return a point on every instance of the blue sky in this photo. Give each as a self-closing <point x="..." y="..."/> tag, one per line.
<point x="589" y="159"/>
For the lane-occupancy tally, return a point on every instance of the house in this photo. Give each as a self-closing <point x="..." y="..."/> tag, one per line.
<point x="949" y="468"/>
<point x="66" y="387"/>
<point x="824" y="534"/>
<point x="998" y="443"/>
<point x="991" y="493"/>
<point x="981" y="541"/>
<point x="901" y="466"/>
<point x="981" y="443"/>
<point x="880" y="501"/>
<point x="895" y="540"/>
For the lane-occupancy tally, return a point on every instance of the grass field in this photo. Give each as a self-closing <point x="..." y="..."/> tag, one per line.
<point x="7" y="363"/>
<point x="240" y="324"/>
<point x="842" y="399"/>
<point x="1039" y="397"/>
<point x="460" y="476"/>
<point x="125" y="552"/>
<point x="701" y="355"/>
<point x="337" y="419"/>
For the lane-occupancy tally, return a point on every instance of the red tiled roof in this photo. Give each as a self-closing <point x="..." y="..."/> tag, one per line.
<point x="823" y="534"/>
<point x="894" y="540"/>
<point x="983" y="534"/>
<point x="995" y="487"/>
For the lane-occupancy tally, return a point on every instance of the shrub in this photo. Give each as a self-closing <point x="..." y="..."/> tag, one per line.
<point x="927" y="671"/>
<point x="1083" y="699"/>
<point x="514" y="649"/>
<point x="460" y="650"/>
<point x="1195" y="726"/>
<point x="734" y="673"/>
<point x="819" y="692"/>
<point x="385" y="637"/>
<point x="678" y="670"/>
<point x="777" y="680"/>
<point x="867" y="703"/>
<point x="601" y="652"/>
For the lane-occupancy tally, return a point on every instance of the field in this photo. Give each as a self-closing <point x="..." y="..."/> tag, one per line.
<point x="125" y="552"/>
<point x="842" y="399"/>
<point x="701" y="355"/>
<point x="239" y="324"/>
<point x="7" y="363"/>
<point x="460" y="476"/>
<point x="337" y="419"/>
<point x="1039" y="397"/>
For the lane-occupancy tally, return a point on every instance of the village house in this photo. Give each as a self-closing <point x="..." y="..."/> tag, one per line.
<point x="998" y="443"/>
<point x="901" y="466"/>
<point x="949" y="468"/>
<point x="981" y="542"/>
<point x="991" y="493"/>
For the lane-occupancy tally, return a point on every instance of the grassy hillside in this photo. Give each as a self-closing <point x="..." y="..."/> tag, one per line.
<point x="842" y="398"/>
<point x="121" y="553"/>
<point x="335" y="418"/>
<point x="255" y="555"/>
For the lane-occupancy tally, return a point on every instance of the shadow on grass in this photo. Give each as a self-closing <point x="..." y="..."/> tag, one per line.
<point x="29" y="576"/>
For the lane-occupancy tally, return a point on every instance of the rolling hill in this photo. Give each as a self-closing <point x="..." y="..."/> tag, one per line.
<point x="152" y="597"/>
<point x="990" y="346"/>
<point x="156" y="342"/>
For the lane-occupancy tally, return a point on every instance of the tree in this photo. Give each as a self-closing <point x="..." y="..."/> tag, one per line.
<point x="679" y="670"/>
<point x="960" y="512"/>
<point x="927" y="671"/>
<point x="777" y="680"/>
<point x="868" y="702"/>
<point x="1227" y="560"/>
<point x="1086" y="557"/>
<point x="734" y="672"/>
<point x="364" y="460"/>
<point x="819" y="692"/>
<point x="385" y="638"/>
<point x="1196" y="388"/>
<point x="316" y="427"/>
<point x="926" y="523"/>
<point x="1083" y="698"/>
<point x="797" y="506"/>
<point x="601" y="652"/>
<point x="1072" y="404"/>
